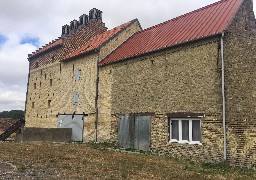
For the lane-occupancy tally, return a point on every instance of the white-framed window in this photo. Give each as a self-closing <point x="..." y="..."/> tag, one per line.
<point x="185" y="130"/>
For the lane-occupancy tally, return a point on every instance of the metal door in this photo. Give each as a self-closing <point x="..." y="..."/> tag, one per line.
<point x="124" y="139"/>
<point x="76" y="122"/>
<point x="134" y="132"/>
<point x="142" y="133"/>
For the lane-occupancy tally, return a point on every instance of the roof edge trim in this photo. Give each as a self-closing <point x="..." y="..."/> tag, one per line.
<point x="179" y="44"/>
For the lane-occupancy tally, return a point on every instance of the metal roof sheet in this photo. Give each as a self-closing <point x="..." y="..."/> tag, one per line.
<point x="206" y="21"/>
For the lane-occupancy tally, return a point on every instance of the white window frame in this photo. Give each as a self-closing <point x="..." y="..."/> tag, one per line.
<point x="180" y="131"/>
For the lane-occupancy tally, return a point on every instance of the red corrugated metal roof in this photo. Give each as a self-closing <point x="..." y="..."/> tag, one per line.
<point x="52" y="44"/>
<point x="97" y="41"/>
<point x="203" y="22"/>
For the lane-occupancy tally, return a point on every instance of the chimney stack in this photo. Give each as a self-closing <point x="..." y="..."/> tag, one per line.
<point x="83" y="21"/>
<point x="95" y="14"/>
<point x="73" y="26"/>
<point x="65" y="30"/>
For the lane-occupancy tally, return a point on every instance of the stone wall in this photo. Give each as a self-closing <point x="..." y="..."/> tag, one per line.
<point x="182" y="79"/>
<point x="52" y="86"/>
<point x="104" y="102"/>
<point x="240" y="73"/>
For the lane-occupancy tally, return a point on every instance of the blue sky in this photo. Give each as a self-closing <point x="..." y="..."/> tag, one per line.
<point x="27" y="25"/>
<point x="29" y="40"/>
<point x="3" y="39"/>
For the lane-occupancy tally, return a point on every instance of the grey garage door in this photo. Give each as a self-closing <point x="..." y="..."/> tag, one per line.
<point x="134" y="132"/>
<point x="76" y="122"/>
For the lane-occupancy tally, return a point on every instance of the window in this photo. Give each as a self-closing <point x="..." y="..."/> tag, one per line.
<point x="185" y="130"/>
<point x="33" y="105"/>
<point x="37" y="65"/>
<point x="49" y="103"/>
<point x="34" y="85"/>
<point x="50" y="82"/>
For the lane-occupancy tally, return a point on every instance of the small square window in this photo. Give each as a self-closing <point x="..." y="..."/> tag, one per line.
<point x="185" y="130"/>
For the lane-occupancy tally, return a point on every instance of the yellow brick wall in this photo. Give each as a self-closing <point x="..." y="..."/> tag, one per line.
<point x="240" y="81"/>
<point x="185" y="79"/>
<point x="64" y="86"/>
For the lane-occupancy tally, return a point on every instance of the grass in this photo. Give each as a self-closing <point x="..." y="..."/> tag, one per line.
<point x="99" y="161"/>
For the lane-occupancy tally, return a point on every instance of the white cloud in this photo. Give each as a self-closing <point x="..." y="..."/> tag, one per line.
<point x="43" y="19"/>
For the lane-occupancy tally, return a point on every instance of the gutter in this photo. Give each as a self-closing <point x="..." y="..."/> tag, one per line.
<point x="223" y="98"/>
<point x="96" y="98"/>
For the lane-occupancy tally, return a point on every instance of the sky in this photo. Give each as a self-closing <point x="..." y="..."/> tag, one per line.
<point x="30" y="24"/>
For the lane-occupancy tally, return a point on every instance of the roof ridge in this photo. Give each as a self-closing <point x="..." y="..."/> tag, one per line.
<point x="183" y="15"/>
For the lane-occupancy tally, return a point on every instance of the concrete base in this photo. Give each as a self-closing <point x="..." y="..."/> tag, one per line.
<point x="45" y="135"/>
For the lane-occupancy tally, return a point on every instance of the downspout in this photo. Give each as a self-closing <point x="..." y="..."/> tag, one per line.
<point x="96" y="98"/>
<point x="223" y="98"/>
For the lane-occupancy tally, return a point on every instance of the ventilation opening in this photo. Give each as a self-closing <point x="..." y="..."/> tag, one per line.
<point x="49" y="103"/>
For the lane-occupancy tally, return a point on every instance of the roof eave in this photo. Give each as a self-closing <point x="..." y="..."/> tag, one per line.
<point x="164" y="48"/>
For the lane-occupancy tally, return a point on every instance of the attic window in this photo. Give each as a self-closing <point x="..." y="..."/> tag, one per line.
<point x="37" y="65"/>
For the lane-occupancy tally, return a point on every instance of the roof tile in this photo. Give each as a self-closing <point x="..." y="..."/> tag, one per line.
<point x="96" y="41"/>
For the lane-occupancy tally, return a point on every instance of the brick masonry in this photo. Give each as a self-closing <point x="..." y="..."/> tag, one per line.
<point x="240" y="61"/>
<point x="64" y="85"/>
<point x="188" y="79"/>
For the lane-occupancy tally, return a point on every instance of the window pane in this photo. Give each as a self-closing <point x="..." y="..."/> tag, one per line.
<point x="175" y="129"/>
<point x="196" y="131"/>
<point x="185" y="130"/>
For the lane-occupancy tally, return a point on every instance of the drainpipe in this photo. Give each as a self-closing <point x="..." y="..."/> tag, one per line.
<point x="96" y="98"/>
<point x="223" y="98"/>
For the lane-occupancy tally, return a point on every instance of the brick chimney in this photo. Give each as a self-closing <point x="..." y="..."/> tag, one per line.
<point x="94" y="14"/>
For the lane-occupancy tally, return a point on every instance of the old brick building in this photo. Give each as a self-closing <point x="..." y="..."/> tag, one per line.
<point x="178" y="86"/>
<point x="185" y="87"/>
<point x="63" y="76"/>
